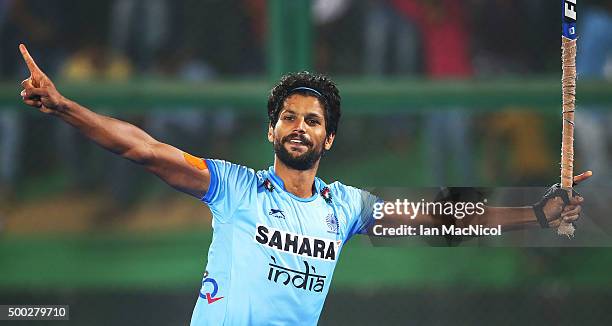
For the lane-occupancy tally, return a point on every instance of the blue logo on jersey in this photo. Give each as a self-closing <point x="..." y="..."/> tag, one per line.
<point x="277" y="213"/>
<point x="332" y="223"/>
<point x="210" y="296"/>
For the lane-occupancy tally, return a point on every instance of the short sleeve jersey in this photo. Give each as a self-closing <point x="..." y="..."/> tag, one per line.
<point x="273" y="254"/>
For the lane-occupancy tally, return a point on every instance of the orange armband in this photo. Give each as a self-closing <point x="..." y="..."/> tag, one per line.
<point x="196" y="162"/>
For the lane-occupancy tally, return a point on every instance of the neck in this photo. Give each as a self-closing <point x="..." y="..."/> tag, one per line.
<point x="297" y="182"/>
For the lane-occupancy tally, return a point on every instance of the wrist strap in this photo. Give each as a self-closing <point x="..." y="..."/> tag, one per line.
<point x="538" y="209"/>
<point x="554" y="191"/>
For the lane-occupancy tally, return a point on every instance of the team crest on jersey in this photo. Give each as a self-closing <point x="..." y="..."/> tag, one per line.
<point x="332" y="223"/>
<point x="296" y="244"/>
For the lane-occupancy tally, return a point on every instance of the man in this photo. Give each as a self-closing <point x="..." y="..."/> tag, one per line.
<point x="277" y="232"/>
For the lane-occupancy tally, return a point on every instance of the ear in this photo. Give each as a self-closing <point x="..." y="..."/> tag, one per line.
<point x="270" y="133"/>
<point x="329" y="141"/>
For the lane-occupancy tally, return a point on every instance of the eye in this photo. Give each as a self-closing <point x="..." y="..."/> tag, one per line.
<point x="289" y="118"/>
<point x="313" y="121"/>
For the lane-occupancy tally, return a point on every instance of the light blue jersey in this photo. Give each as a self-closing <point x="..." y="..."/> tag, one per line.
<point x="273" y="254"/>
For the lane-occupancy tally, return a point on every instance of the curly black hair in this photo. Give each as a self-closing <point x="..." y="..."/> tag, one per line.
<point x="329" y="98"/>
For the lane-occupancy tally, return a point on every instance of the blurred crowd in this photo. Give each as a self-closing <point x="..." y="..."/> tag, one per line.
<point x="195" y="40"/>
<point x="116" y="41"/>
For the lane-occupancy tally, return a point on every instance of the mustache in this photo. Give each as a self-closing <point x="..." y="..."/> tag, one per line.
<point x="300" y="137"/>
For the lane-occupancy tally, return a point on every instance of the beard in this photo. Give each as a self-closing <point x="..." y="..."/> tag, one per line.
<point x="301" y="162"/>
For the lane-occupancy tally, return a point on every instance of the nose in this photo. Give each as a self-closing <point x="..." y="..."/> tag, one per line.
<point x="300" y="125"/>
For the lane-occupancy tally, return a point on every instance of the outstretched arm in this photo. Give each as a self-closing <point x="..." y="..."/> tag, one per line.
<point x="180" y="170"/>
<point x="509" y="218"/>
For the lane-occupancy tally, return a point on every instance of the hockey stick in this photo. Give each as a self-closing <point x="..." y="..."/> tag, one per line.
<point x="568" y="59"/>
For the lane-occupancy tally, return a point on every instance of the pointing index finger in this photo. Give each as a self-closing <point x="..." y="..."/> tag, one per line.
<point x="28" y="59"/>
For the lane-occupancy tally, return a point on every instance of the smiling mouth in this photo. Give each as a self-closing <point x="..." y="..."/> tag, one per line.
<point x="297" y="141"/>
<point x="297" y="146"/>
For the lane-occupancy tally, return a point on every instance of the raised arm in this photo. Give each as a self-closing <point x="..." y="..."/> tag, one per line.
<point x="179" y="169"/>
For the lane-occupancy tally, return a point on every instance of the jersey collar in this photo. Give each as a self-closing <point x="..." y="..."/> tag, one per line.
<point x="275" y="179"/>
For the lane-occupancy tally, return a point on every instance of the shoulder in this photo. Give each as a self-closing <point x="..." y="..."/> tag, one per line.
<point x="228" y="178"/>
<point x="345" y="192"/>
<point x="222" y="167"/>
<point x="352" y="196"/>
<point x="341" y="187"/>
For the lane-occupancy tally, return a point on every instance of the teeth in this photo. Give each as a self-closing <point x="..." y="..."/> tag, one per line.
<point x="296" y="141"/>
